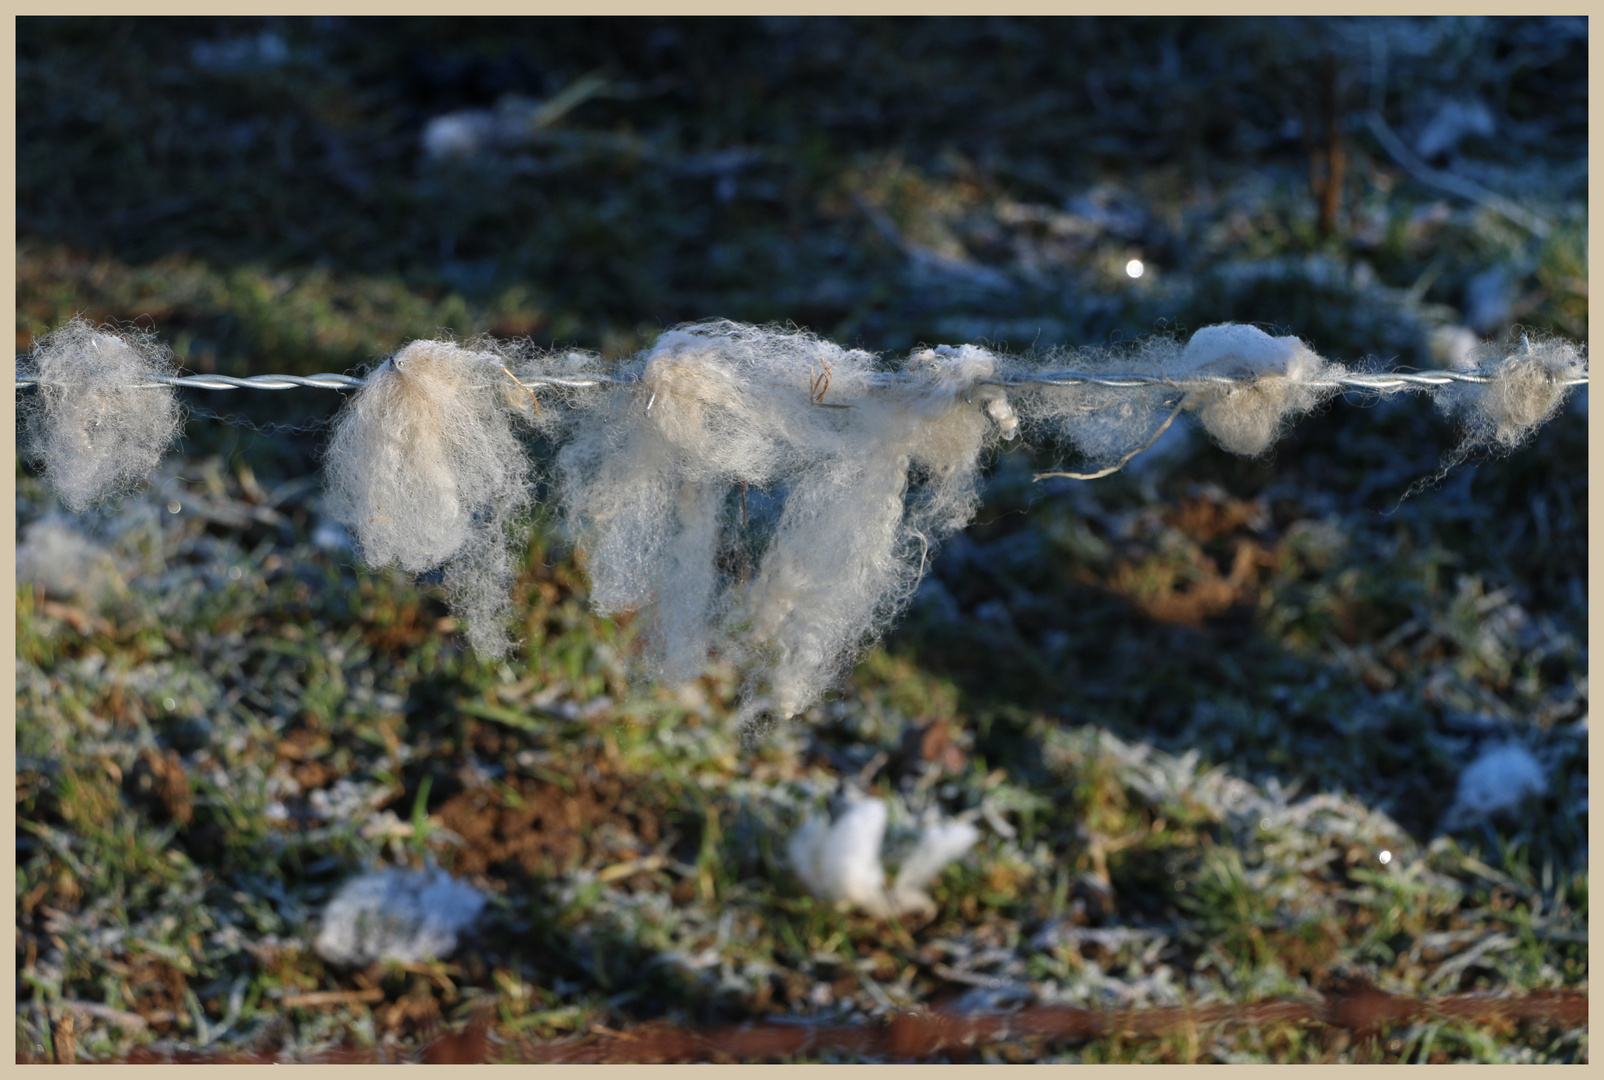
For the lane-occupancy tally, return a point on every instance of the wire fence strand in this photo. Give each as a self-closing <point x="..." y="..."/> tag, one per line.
<point x="1371" y="382"/>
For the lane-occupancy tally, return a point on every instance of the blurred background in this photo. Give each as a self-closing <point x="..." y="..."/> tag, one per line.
<point x="302" y="195"/>
<point x="881" y="182"/>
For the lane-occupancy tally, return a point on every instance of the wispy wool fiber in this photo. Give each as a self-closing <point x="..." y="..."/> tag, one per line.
<point x="426" y="470"/>
<point x="941" y="843"/>
<point x="1109" y="425"/>
<point x="95" y="423"/>
<point x="839" y="862"/>
<point x="750" y="493"/>
<point x="1526" y="390"/>
<point x="64" y="562"/>
<point x="774" y="498"/>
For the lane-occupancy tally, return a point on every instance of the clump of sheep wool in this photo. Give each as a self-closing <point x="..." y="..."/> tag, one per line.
<point x="1111" y="424"/>
<point x="1246" y="417"/>
<point x="406" y="916"/>
<point x="97" y="423"/>
<point x="751" y="494"/>
<point x="1526" y="387"/>
<point x="426" y="470"/>
<point x="774" y="498"/>
<point x="840" y="862"/>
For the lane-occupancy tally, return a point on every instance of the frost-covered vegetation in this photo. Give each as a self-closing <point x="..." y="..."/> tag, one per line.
<point x="1209" y="728"/>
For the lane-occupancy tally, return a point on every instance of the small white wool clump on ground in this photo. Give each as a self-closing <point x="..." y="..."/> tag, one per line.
<point x="941" y="843"/>
<point x="1246" y="419"/>
<point x="95" y="423"/>
<point x="426" y="470"/>
<point x="65" y="563"/>
<point x="403" y="915"/>
<point x="1501" y="778"/>
<point x="1527" y="388"/>
<point x="840" y="862"/>
<point x="774" y="498"/>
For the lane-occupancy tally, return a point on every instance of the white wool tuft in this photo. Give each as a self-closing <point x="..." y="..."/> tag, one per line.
<point x="1110" y="425"/>
<point x="1527" y="388"/>
<point x="1501" y="778"/>
<point x="407" y="916"/>
<point x="840" y="863"/>
<point x="95" y="423"/>
<point x="426" y="470"/>
<point x="1246" y="419"/>
<point x="848" y="483"/>
<point x="941" y="843"/>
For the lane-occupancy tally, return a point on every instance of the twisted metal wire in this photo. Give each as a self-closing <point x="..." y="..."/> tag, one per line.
<point x="1373" y="382"/>
<point x="1383" y="382"/>
<point x="327" y="381"/>
<point x="324" y="381"/>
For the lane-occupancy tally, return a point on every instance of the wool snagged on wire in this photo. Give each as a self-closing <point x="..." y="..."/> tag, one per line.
<point x="752" y="493"/>
<point x="774" y="498"/>
<point x="1526" y="388"/>
<point x="1110" y="425"/>
<point x="426" y="470"/>
<point x="96" y="423"/>
<point x="1245" y="418"/>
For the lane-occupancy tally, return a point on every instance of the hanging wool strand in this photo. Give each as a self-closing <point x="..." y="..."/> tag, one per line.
<point x="427" y="471"/>
<point x="859" y="472"/>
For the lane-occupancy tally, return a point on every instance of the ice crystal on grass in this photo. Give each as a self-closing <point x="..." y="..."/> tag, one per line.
<point x="65" y="563"/>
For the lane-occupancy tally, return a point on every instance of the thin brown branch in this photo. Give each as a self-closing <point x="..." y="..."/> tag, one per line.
<point x="1357" y="1007"/>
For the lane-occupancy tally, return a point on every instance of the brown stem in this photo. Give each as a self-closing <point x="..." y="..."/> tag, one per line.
<point x="1336" y="156"/>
